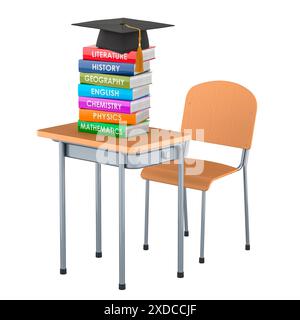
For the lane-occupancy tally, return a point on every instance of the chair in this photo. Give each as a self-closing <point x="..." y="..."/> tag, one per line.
<point x="226" y="112"/>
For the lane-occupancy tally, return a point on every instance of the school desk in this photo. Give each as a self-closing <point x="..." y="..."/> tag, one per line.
<point x="158" y="146"/>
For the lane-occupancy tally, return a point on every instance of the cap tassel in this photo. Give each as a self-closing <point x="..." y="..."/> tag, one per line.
<point x="139" y="63"/>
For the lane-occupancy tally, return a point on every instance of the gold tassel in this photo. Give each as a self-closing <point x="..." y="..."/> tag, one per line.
<point x="139" y="63"/>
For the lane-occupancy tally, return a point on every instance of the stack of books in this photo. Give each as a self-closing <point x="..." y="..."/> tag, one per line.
<point x="113" y="99"/>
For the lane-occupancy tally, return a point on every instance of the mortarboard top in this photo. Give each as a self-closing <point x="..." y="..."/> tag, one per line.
<point x="120" y="35"/>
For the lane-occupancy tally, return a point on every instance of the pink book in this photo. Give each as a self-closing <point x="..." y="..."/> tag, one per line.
<point x="121" y="106"/>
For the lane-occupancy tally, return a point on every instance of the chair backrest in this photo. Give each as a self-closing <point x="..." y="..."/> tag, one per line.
<point x="224" y="110"/>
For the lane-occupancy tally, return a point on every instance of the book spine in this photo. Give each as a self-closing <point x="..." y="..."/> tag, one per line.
<point x="104" y="105"/>
<point x="107" y="129"/>
<point x="85" y="90"/>
<point x="98" y="54"/>
<point x="86" y="66"/>
<point x="105" y="80"/>
<point x="106" y="117"/>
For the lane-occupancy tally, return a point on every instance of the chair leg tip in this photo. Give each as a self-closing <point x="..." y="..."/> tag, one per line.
<point x="146" y="247"/>
<point x="98" y="255"/>
<point x="63" y="271"/>
<point x="186" y="233"/>
<point x="202" y="260"/>
<point x="247" y="247"/>
<point x="122" y="286"/>
<point x="180" y="274"/>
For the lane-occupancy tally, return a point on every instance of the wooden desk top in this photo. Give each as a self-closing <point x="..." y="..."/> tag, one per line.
<point x="154" y="139"/>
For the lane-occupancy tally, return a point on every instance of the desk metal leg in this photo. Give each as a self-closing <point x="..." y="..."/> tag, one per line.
<point x="98" y="211"/>
<point x="122" y="285"/>
<point x="146" y="244"/>
<point x="62" y="208"/>
<point x="180" y="272"/>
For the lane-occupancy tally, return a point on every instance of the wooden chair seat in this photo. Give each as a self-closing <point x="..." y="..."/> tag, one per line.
<point x="205" y="173"/>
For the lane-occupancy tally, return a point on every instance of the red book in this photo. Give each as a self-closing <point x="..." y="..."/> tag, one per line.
<point x="98" y="54"/>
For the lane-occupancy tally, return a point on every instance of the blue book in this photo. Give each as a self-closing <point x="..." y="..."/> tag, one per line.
<point x="88" y="66"/>
<point x="86" y="90"/>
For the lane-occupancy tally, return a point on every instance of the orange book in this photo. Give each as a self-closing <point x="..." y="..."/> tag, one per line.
<point x="113" y="117"/>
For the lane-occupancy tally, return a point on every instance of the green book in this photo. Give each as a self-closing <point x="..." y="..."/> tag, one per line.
<point x="114" y="130"/>
<point x="110" y="80"/>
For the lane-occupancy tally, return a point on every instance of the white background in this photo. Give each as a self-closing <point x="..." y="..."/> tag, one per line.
<point x="254" y="43"/>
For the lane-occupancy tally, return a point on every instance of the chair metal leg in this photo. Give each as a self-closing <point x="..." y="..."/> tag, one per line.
<point x="246" y="208"/>
<point x="186" y="225"/>
<point x="122" y="285"/>
<point x="146" y="244"/>
<point x="202" y="259"/>
<point x="98" y="211"/>
<point x="62" y="209"/>
<point x="180" y="271"/>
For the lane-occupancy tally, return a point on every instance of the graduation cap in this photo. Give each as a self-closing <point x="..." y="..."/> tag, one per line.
<point x="124" y="35"/>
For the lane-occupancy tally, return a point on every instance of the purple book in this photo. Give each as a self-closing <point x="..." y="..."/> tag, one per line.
<point x="121" y="106"/>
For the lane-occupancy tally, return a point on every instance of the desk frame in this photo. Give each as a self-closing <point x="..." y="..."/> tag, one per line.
<point x="122" y="161"/>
